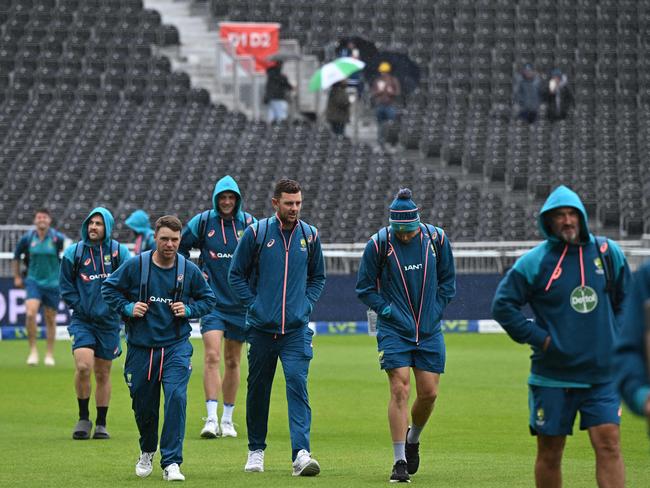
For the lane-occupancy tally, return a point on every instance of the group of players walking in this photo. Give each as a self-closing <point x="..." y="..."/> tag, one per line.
<point x="258" y="281"/>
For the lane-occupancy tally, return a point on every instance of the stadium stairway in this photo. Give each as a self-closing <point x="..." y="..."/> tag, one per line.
<point x="197" y="52"/>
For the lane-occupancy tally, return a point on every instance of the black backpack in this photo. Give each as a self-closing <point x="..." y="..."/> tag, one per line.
<point x="602" y="248"/>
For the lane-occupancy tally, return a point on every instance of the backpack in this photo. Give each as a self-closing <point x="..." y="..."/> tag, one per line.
<point x="383" y="241"/>
<point x="58" y="243"/>
<point x="602" y="248"/>
<point x="143" y="289"/>
<point x="260" y="238"/>
<point x="79" y="250"/>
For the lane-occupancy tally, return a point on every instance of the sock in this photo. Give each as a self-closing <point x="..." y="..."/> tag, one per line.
<point x="211" y="406"/>
<point x="414" y="434"/>
<point x="84" y="414"/>
<point x="227" y="412"/>
<point x="398" y="451"/>
<point x="101" y="416"/>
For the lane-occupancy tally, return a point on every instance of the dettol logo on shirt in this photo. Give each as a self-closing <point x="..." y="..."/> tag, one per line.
<point x="584" y="299"/>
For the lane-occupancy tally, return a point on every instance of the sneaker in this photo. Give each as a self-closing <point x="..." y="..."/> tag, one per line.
<point x="400" y="473"/>
<point x="49" y="361"/>
<point x="173" y="473"/>
<point x="228" y="429"/>
<point x="144" y="465"/>
<point x="412" y="455"/>
<point x="101" y="432"/>
<point x="255" y="461"/>
<point x="211" y="428"/>
<point x="82" y="430"/>
<point x="32" y="359"/>
<point x="305" y="465"/>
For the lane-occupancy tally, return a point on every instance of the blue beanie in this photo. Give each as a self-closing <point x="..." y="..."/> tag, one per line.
<point x="404" y="215"/>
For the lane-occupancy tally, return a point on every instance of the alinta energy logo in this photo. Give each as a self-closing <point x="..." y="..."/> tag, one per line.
<point x="584" y="299"/>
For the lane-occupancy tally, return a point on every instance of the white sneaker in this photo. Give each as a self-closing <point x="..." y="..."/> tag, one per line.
<point x="49" y="361"/>
<point x="228" y="429"/>
<point x="255" y="462"/>
<point x="305" y="465"/>
<point x="144" y="465"/>
<point x="211" y="428"/>
<point x="173" y="473"/>
<point x="32" y="359"/>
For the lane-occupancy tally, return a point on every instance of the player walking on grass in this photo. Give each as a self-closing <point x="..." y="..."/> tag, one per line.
<point x="159" y="291"/>
<point x="94" y="328"/>
<point x="216" y="233"/>
<point x="40" y="248"/>
<point x="407" y="276"/>
<point x="574" y="282"/>
<point x="278" y="272"/>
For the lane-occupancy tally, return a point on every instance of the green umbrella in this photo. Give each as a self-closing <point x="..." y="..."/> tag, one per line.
<point x="333" y="72"/>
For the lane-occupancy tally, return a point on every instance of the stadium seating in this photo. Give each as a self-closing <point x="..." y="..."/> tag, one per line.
<point x="90" y="115"/>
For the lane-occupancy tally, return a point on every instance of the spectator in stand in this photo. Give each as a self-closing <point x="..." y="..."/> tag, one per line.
<point x="384" y="92"/>
<point x="558" y="96"/>
<point x="276" y="95"/>
<point x="350" y="50"/>
<point x="338" y="108"/>
<point x="527" y="94"/>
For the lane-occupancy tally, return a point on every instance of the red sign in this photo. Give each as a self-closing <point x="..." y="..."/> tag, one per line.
<point x="259" y="40"/>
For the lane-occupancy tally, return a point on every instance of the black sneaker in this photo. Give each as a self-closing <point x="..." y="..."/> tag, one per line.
<point x="412" y="455"/>
<point x="400" y="473"/>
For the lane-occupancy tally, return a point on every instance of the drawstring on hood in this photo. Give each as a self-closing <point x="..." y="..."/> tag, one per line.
<point x="562" y="196"/>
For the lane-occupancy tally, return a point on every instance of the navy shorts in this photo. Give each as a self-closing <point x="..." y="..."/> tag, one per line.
<point x="105" y="342"/>
<point x="395" y="352"/>
<point x="553" y="410"/>
<point x="216" y="321"/>
<point x="49" y="297"/>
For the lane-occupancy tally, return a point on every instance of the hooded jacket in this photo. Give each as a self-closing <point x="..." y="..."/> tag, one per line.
<point x="280" y="294"/>
<point x="414" y="288"/>
<point x="82" y="293"/>
<point x="632" y="350"/>
<point x="138" y="222"/>
<point x="220" y="240"/>
<point x="564" y="284"/>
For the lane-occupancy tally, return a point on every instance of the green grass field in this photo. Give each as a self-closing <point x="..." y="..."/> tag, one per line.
<point x="478" y="435"/>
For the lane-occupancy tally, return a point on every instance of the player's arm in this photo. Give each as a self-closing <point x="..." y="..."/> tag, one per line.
<point x="203" y="299"/>
<point x="117" y="287"/>
<point x="21" y="248"/>
<point x="240" y="267"/>
<point x="446" y="274"/>
<point x="68" y="282"/>
<point x="512" y="294"/>
<point x="315" y="272"/>
<point x="367" y="280"/>
<point x="190" y="236"/>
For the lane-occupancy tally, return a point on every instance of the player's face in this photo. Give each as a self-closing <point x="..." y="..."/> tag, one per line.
<point x="406" y="237"/>
<point x="565" y="224"/>
<point x="226" y="202"/>
<point x="42" y="221"/>
<point x="288" y="207"/>
<point x="167" y="242"/>
<point x="96" y="228"/>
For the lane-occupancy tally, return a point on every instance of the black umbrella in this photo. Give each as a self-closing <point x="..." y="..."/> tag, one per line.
<point x="367" y="49"/>
<point x="402" y="67"/>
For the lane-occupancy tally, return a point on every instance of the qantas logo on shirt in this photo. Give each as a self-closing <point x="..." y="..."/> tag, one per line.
<point x="411" y="267"/>
<point x="220" y="255"/>
<point x="89" y="278"/>
<point x="160" y="299"/>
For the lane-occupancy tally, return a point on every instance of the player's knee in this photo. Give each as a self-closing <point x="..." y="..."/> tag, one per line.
<point x="212" y="359"/>
<point x="102" y="376"/>
<point x="231" y="362"/>
<point x="607" y="447"/>
<point x="428" y="396"/>
<point x="84" y="368"/>
<point x="400" y="392"/>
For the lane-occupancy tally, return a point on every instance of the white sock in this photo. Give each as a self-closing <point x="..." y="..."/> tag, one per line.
<point x="211" y="406"/>
<point x="399" y="452"/>
<point x="414" y="434"/>
<point x="227" y="412"/>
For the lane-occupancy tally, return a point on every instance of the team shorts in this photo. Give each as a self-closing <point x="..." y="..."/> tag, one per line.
<point x="396" y="352"/>
<point x="553" y="410"/>
<point x="49" y="297"/>
<point x="105" y="342"/>
<point x="216" y="321"/>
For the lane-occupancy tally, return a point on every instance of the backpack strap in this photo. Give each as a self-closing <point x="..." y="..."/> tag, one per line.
<point x="76" y="264"/>
<point x="260" y="238"/>
<point x="436" y="236"/>
<point x="178" y="288"/>
<point x="203" y="229"/>
<point x="602" y="248"/>
<point x="383" y="241"/>
<point x="145" y="268"/>
<point x="309" y="239"/>
<point x="115" y="255"/>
